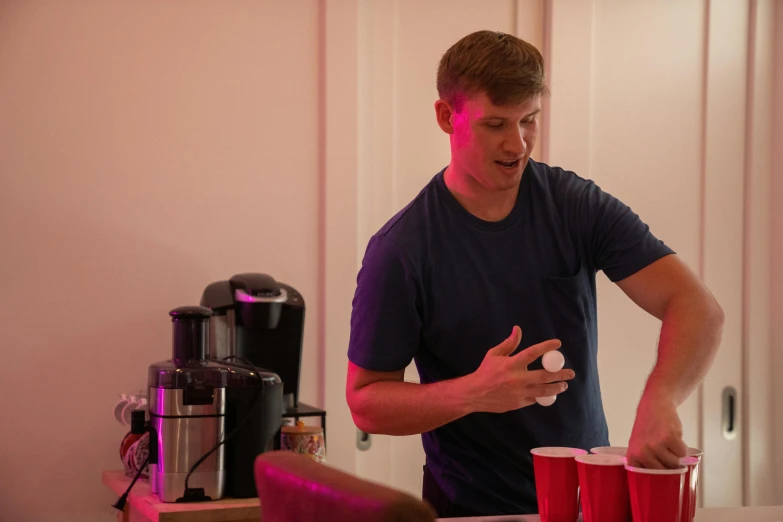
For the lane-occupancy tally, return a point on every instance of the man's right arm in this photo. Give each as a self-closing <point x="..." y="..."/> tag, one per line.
<point x="381" y="402"/>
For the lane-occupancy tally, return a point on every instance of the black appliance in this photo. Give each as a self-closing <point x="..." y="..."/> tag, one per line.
<point x="209" y="418"/>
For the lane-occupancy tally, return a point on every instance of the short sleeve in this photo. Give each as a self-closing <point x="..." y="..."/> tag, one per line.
<point x="616" y="240"/>
<point x="385" y="321"/>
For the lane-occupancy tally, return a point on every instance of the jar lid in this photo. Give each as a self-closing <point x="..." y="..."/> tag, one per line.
<point x="301" y="429"/>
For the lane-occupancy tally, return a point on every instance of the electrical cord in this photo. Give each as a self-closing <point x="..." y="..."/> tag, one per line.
<point x="120" y="504"/>
<point x="197" y="494"/>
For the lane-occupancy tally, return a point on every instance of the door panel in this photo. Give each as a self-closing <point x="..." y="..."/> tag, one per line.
<point x="723" y="242"/>
<point x="402" y="147"/>
<point x="626" y="112"/>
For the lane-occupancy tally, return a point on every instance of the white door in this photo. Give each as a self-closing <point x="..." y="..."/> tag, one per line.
<point x="639" y="105"/>
<point x="652" y="108"/>
<point x="401" y="148"/>
<point x="724" y="197"/>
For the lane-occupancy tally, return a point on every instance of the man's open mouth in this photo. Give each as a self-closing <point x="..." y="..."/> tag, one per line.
<point x="508" y="164"/>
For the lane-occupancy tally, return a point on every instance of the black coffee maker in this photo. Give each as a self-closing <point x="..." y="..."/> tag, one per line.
<point x="209" y="418"/>
<point x="261" y="320"/>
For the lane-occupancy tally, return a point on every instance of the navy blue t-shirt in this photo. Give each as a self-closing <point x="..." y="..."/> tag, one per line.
<point x="441" y="286"/>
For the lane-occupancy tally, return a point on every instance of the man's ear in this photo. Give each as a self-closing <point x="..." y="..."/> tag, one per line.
<point x="444" y="114"/>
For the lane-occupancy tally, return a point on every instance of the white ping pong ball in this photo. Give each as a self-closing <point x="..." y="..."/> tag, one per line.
<point x="546" y="401"/>
<point x="553" y="361"/>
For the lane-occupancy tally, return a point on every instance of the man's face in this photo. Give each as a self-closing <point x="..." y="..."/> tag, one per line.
<point x="491" y="144"/>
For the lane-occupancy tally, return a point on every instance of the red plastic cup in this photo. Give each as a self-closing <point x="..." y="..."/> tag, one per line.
<point x="610" y="450"/>
<point x="689" y="488"/>
<point x="557" y="483"/>
<point x="603" y="488"/>
<point x="656" y="494"/>
<point x="695" y="452"/>
<point x="699" y="454"/>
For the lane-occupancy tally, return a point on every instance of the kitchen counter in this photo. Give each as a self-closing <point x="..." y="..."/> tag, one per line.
<point x="743" y="514"/>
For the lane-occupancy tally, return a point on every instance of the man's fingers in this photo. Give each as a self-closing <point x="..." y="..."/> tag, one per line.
<point x="671" y="451"/>
<point x="547" y="390"/>
<point x="527" y="401"/>
<point x="666" y="457"/>
<point x="648" y="459"/>
<point x="659" y="457"/>
<point x="530" y="354"/>
<point x="678" y="447"/>
<point x="545" y="377"/>
<point x="508" y="345"/>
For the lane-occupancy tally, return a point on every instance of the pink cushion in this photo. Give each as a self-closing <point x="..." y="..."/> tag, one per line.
<point x="293" y="488"/>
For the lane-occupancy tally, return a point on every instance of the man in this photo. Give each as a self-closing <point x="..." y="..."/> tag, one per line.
<point x="495" y="242"/>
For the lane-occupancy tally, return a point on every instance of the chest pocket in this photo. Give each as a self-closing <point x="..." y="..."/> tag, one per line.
<point x="567" y="301"/>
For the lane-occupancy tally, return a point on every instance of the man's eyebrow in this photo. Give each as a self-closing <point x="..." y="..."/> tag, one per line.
<point x="491" y="117"/>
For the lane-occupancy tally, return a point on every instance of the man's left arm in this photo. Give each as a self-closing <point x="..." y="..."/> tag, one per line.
<point x="690" y="335"/>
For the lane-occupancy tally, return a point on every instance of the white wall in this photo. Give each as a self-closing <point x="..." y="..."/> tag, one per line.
<point x="338" y="189"/>
<point x="146" y="149"/>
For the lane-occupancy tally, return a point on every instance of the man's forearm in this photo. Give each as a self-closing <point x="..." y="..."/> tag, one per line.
<point x="405" y="408"/>
<point x="690" y="335"/>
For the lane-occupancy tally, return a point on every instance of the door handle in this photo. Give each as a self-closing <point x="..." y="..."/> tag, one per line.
<point x="363" y="440"/>
<point x="729" y="413"/>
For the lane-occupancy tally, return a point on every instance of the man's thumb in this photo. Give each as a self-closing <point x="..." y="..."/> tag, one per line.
<point x="508" y="345"/>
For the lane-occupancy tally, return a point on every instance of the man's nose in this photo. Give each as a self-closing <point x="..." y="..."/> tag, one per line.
<point x="515" y="142"/>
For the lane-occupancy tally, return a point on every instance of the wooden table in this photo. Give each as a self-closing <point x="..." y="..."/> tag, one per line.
<point x="143" y="506"/>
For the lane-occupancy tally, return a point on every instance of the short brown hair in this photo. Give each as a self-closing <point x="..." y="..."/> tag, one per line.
<point x="508" y="69"/>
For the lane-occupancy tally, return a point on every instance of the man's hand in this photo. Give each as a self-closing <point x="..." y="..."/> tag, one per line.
<point x="504" y="383"/>
<point x="656" y="440"/>
<point x="692" y="322"/>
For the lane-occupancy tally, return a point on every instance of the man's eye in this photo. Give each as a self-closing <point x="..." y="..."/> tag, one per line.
<point x="494" y="125"/>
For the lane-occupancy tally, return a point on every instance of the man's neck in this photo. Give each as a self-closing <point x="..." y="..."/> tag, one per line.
<point x="483" y="203"/>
